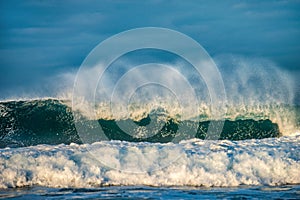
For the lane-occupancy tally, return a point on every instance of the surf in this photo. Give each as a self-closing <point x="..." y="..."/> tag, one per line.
<point x="195" y="162"/>
<point x="51" y="121"/>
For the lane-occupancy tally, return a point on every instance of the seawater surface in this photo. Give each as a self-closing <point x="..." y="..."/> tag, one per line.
<point x="42" y="157"/>
<point x="146" y="192"/>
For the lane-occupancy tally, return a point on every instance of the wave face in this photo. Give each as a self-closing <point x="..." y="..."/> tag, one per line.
<point x="271" y="161"/>
<point x="25" y="123"/>
<point x="50" y="121"/>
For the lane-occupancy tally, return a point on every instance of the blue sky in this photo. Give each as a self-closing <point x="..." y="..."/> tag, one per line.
<point x="39" y="39"/>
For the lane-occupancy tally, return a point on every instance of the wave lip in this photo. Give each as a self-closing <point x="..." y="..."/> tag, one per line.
<point x="272" y="161"/>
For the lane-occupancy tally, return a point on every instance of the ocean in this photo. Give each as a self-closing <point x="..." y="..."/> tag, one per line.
<point x="257" y="154"/>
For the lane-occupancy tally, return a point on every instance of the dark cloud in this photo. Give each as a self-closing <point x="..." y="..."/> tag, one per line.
<point x="39" y="39"/>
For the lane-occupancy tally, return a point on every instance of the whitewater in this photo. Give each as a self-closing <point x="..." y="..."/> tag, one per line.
<point x="272" y="161"/>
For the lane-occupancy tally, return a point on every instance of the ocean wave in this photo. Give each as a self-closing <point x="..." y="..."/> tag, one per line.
<point x="271" y="161"/>
<point x="51" y="121"/>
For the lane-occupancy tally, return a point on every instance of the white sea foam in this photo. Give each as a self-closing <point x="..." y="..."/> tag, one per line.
<point x="273" y="161"/>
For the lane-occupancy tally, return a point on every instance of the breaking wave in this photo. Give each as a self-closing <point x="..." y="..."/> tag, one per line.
<point x="51" y="121"/>
<point x="271" y="161"/>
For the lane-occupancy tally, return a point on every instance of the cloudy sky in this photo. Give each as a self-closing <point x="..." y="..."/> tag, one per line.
<point x="40" y="39"/>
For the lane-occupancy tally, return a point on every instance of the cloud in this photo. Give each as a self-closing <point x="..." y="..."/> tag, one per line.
<point x="44" y="38"/>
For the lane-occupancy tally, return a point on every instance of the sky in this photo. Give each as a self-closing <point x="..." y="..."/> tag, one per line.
<point x="41" y="39"/>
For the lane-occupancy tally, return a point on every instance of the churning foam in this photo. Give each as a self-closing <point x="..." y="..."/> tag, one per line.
<point x="273" y="161"/>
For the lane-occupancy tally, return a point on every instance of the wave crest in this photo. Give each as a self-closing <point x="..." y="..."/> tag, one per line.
<point x="50" y="121"/>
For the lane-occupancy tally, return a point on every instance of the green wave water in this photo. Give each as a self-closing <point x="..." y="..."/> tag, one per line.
<point x="51" y="121"/>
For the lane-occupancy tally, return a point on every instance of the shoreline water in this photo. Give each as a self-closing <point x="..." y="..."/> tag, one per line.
<point x="146" y="192"/>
